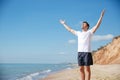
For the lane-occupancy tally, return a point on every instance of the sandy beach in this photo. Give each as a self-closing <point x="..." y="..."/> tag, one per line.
<point x="99" y="72"/>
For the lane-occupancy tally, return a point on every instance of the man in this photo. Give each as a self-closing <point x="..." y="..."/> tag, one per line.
<point x="84" y="47"/>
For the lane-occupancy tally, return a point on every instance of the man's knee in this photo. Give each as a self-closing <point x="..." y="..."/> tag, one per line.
<point x="81" y="68"/>
<point x="87" y="69"/>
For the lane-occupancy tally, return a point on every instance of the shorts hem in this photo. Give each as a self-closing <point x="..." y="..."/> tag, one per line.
<point x="85" y="65"/>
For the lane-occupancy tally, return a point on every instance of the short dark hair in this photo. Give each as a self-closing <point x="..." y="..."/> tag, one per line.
<point x="86" y="23"/>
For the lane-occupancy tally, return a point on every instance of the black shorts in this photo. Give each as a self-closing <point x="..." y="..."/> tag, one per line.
<point x="85" y="59"/>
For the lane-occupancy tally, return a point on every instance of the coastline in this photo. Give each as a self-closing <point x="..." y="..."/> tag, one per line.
<point x="98" y="72"/>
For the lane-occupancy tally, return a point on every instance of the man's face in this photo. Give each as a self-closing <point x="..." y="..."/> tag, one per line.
<point x="84" y="26"/>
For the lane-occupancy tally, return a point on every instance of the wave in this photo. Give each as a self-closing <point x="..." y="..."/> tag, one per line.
<point x="35" y="76"/>
<point x="68" y="68"/>
<point x="29" y="77"/>
<point x="46" y="71"/>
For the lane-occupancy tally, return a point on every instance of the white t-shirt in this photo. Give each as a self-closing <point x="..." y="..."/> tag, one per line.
<point x="84" y="40"/>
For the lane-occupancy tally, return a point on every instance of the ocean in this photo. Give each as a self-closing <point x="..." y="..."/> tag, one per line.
<point x="30" y="71"/>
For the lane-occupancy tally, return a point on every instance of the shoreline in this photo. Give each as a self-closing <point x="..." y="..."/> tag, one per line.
<point x="72" y="66"/>
<point x="98" y="72"/>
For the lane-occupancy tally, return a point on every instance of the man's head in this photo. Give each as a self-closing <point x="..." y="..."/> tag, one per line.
<point x="85" y="25"/>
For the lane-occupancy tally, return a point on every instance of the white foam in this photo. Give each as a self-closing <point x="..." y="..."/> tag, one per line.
<point x="46" y="71"/>
<point x="29" y="77"/>
<point x="25" y="78"/>
<point x="33" y="75"/>
<point x="68" y="68"/>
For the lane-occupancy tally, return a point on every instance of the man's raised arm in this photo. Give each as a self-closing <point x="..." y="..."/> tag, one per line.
<point x="99" y="22"/>
<point x="67" y="27"/>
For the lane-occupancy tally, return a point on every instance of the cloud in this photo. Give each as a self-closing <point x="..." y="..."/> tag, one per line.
<point x="95" y="38"/>
<point x="72" y="41"/>
<point x="102" y="37"/>
<point x="61" y="53"/>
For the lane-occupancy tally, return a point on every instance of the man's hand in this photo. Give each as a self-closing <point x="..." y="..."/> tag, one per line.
<point x="62" y="21"/>
<point x="102" y="13"/>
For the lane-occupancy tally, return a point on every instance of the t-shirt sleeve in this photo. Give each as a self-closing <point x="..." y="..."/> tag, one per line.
<point x="76" y="33"/>
<point x="91" y="31"/>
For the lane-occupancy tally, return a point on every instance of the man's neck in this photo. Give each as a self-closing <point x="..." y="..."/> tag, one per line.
<point x="84" y="30"/>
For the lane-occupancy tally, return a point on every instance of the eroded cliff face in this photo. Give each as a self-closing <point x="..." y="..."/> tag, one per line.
<point x="108" y="54"/>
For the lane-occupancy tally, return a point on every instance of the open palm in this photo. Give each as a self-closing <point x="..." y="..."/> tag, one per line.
<point x="62" y="21"/>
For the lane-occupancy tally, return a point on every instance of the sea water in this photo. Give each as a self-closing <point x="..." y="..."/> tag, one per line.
<point x="29" y="71"/>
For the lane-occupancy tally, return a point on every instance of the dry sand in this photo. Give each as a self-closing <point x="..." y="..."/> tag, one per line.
<point x="99" y="72"/>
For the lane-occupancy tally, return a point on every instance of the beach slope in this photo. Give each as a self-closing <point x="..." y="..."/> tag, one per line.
<point x="99" y="72"/>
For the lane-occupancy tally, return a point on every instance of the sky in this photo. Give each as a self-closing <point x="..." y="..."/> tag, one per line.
<point x="30" y="31"/>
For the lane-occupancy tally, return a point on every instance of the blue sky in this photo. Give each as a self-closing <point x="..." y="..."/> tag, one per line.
<point x="30" y="31"/>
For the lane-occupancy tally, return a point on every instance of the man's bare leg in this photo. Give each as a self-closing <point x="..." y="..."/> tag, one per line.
<point x="82" y="73"/>
<point x="87" y="72"/>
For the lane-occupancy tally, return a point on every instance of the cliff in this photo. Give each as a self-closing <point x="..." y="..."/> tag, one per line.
<point x="108" y="54"/>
